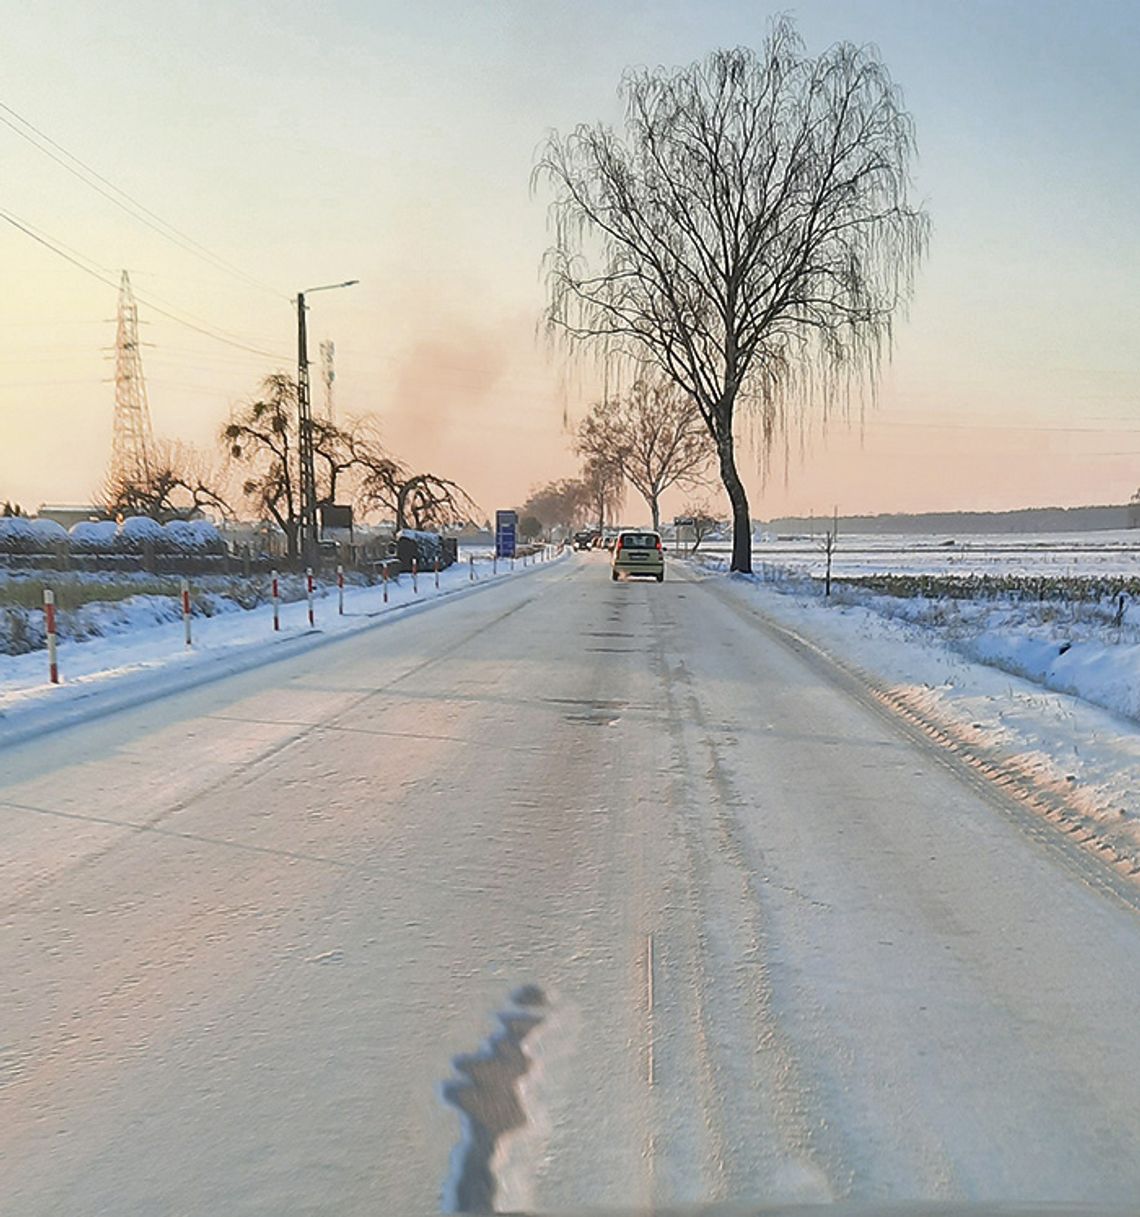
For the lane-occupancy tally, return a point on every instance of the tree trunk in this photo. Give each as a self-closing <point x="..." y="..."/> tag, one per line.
<point x="738" y="497"/>
<point x="655" y="508"/>
<point x="293" y="548"/>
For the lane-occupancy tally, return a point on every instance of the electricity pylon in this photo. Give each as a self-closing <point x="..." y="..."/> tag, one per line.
<point x="132" y="441"/>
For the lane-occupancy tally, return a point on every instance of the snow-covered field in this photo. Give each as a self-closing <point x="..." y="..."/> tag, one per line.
<point x="124" y="651"/>
<point x="1058" y="555"/>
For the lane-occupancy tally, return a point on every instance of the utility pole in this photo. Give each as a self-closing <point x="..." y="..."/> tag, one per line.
<point x="305" y="441"/>
<point x="309" y="528"/>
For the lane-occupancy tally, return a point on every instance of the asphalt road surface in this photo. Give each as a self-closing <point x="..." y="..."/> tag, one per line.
<point x="733" y="933"/>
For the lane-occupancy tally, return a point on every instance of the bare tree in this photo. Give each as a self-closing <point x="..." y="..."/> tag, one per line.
<point x="703" y="522"/>
<point x="350" y="462"/>
<point x="425" y="500"/>
<point x="656" y="435"/>
<point x="564" y="504"/>
<point x="263" y="435"/>
<point x="179" y="481"/>
<point x="605" y="485"/>
<point x="750" y="235"/>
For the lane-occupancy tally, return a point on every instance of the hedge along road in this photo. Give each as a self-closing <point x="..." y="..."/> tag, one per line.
<point x="750" y="940"/>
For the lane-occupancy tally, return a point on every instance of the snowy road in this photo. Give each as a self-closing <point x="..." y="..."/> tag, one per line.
<point x="784" y="951"/>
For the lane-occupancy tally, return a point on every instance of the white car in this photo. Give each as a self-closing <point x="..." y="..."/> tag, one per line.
<point x="638" y="553"/>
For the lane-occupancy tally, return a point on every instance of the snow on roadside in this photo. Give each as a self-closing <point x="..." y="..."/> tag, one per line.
<point x="1071" y="649"/>
<point x="151" y="660"/>
<point x="1059" y="741"/>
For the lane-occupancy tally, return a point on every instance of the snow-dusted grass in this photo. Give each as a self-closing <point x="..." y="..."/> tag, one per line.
<point x="102" y="605"/>
<point x="1072" y="647"/>
<point x="73" y="590"/>
<point x="1075" y="633"/>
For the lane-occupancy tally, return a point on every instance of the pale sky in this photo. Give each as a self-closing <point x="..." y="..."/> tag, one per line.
<point x="307" y="143"/>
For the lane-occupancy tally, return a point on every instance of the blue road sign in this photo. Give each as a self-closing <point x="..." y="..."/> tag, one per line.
<point x="506" y="529"/>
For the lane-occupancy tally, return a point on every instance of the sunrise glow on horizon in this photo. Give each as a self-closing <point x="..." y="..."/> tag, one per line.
<point x="303" y="146"/>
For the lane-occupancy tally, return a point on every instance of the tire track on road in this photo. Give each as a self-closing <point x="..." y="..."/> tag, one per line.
<point x="746" y="1062"/>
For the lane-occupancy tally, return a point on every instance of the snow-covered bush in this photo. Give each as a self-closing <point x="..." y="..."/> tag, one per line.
<point x="48" y="533"/>
<point x="180" y="538"/>
<point x="93" y="536"/>
<point x="17" y="536"/>
<point x="137" y="532"/>
<point x="207" y="538"/>
<point x="21" y="630"/>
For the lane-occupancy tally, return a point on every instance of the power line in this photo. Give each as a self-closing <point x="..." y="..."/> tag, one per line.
<point x="1035" y="428"/>
<point x="79" y="260"/>
<point x="117" y="195"/>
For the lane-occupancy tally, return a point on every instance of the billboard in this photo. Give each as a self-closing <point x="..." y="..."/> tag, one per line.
<point x="336" y="517"/>
<point x="506" y="533"/>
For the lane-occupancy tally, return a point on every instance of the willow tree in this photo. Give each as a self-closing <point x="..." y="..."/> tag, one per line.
<point x="749" y="233"/>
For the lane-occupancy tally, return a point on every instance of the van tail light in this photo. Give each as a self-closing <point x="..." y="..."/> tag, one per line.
<point x="659" y="544"/>
<point x="617" y="546"/>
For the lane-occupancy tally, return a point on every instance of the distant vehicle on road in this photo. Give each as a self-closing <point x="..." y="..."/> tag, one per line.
<point x="586" y="538"/>
<point x="638" y="553"/>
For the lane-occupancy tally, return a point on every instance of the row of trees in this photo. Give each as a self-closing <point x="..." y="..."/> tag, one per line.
<point x="652" y="439"/>
<point x="261" y="450"/>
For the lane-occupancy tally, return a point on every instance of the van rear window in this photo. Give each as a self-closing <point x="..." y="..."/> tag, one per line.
<point x="639" y="540"/>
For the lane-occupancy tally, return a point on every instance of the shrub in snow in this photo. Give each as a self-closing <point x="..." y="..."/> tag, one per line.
<point x="208" y="539"/>
<point x="21" y="630"/>
<point x="136" y="532"/>
<point x="49" y="533"/>
<point x="17" y="536"/>
<point x="94" y="536"/>
<point x="425" y="547"/>
<point x="180" y="537"/>
<point x="189" y="537"/>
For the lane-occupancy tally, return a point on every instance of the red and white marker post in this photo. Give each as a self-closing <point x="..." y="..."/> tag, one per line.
<point x="471" y="567"/>
<point x="340" y="589"/>
<point x="49" y="629"/>
<point x="416" y="576"/>
<point x="276" y="602"/>
<point x="385" y="582"/>
<point x="437" y="574"/>
<point x="309" y="595"/>
<point x="186" y="610"/>
<point x="495" y="563"/>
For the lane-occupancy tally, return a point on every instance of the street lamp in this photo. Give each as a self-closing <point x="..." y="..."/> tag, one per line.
<point x="305" y="427"/>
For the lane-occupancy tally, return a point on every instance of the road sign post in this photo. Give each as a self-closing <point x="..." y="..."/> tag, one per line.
<point x="49" y="629"/>
<point x="506" y="533"/>
<point x="186" y="610"/>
